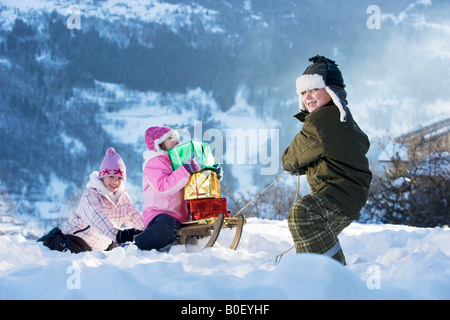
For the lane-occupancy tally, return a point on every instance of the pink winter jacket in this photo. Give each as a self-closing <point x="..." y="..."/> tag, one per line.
<point x="101" y="214"/>
<point x="164" y="189"/>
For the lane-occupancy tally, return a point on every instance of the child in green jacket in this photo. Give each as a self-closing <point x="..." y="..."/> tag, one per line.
<point x="331" y="150"/>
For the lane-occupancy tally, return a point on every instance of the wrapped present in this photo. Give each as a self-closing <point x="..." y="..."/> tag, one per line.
<point x="198" y="153"/>
<point x="203" y="184"/>
<point x="208" y="208"/>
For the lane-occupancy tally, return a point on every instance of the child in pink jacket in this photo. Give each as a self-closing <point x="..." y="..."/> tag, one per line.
<point x="103" y="209"/>
<point x="164" y="208"/>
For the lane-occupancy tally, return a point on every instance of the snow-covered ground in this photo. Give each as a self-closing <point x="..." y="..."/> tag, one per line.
<point x="384" y="262"/>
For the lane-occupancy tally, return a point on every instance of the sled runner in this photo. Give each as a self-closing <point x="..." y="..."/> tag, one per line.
<point x="211" y="228"/>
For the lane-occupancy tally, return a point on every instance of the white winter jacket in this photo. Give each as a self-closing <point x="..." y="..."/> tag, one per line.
<point x="101" y="214"/>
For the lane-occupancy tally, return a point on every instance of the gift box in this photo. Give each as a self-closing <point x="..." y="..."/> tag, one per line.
<point x="208" y="208"/>
<point x="203" y="184"/>
<point x="196" y="152"/>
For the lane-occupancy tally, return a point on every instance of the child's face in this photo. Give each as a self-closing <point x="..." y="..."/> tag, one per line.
<point x="112" y="183"/>
<point x="315" y="99"/>
<point x="170" y="142"/>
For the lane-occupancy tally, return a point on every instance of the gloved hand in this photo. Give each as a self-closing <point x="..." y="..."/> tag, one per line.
<point x="194" y="165"/>
<point x="126" y="235"/>
<point x="219" y="172"/>
<point x="297" y="172"/>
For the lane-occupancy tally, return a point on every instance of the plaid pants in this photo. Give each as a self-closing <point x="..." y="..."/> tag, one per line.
<point x="315" y="221"/>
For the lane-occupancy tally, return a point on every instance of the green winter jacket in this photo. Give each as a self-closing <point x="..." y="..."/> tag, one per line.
<point x="332" y="154"/>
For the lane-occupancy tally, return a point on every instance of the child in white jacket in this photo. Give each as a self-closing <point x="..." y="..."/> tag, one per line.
<point x="103" y="209"/>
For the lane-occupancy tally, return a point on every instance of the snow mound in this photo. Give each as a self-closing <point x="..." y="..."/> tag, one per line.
<point x="384" y="262"/>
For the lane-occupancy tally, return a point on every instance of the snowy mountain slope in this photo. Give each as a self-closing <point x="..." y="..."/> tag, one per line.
<point x="384" y="262"/>
<point x="227" y="64"/>
<point x="175" y="16"/>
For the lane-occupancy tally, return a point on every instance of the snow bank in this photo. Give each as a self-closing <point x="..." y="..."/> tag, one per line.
<point x="384" y="262"/>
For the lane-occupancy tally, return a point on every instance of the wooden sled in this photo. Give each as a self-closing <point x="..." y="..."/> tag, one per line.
<point x="211" y="228"/>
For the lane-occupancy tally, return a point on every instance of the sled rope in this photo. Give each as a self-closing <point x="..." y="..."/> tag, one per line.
<point x="278" y="257"/>
<point x="259" y="194"/>
<point x="298" y="189"/>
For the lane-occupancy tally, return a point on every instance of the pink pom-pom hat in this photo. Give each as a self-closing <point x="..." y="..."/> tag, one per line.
<point x="112" y="165"/>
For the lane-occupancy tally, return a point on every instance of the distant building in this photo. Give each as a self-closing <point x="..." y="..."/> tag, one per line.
<point x="421" y="149"/>
<point x="427" y="140"/>
<point x="394" y="151"/>
<point x="415" y="189"/>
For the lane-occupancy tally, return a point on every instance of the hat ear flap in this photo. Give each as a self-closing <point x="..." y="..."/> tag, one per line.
<point x="337" y="103"/>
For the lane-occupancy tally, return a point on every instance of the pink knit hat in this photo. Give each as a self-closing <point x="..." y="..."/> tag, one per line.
<point x="155" y="136"/>
<point x="112" y="165"/>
